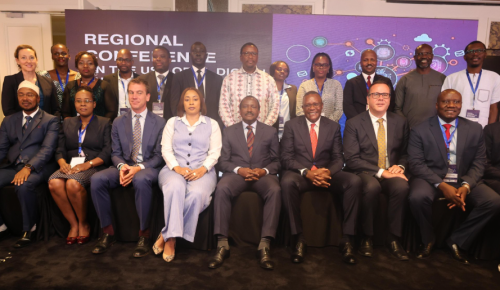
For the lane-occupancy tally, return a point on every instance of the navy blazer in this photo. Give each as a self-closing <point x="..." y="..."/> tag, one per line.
<point x="265" y="152"/>
<point x="122" y="140"/>
<point x="112" y="91"/>
<point x="36" y="146"/>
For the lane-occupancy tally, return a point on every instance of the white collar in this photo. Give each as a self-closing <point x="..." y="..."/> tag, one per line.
<point x="32" y="115"/>
<point x="245" y="125"/>
<point x="196" y="69"/>
<point x="316" y="123"/>
<point x="374" y="119"/>
<point x="184" y="120"/>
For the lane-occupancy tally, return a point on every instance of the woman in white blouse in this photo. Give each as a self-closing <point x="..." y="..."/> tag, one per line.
<point x="191" y="146"/>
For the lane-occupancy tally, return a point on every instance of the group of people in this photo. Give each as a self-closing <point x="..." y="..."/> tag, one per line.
<point x="422" y="141"/>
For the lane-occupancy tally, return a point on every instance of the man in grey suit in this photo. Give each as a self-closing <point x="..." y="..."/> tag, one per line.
<point x="136" y="156"/>
<point x="447" y="156"/>
<point x="28" y="139"/>
<point x="249" y="160"/>
<point x="375" y="144"/>
<point x="160" y="83"/>
<point x="198" y="76"/>
<point x="118" y="82"/>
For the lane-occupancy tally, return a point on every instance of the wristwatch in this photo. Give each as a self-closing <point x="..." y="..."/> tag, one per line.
<point x="466" y="185"/>
<point x="29" y="166"/>
<point x="91" y="164"/>
<point x="304" y="173"/>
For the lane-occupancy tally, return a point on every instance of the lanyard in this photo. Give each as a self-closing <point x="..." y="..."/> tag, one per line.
<point x="198" y="82"/>
<point x="320" y="92"/>
<point x="159" y="87"/>
<point x="125" y="92"/>
<point x="474" y="90"/>
<point x="60" y="82"/>
<point x="80" y="135"/>
<point x="448" y="141"/>
<point x="89" y="82"/>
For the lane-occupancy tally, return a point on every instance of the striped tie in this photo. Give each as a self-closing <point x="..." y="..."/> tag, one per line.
<point x="27" y="123"/>
<point x="382" y="149"/>
<point x="250" y="139"/>
<point x="137" y="138"/>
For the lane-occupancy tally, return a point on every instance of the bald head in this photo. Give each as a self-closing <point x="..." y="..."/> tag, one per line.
<point x="449" y="105"/>
<point x="368" y="61"/>
<point x="124" y="62"/>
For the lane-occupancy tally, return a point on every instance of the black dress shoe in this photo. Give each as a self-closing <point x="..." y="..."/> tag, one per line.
<point x="26" y="240"/>
<point x="265" y="261"/>
<point x="4" y="235"/>
<point x="458" y="254"/>
<point x="105" y="242"/>
<point x="424" y="251"/>
<point x="397" y="251"/>
<point x="142" y="248"/>
<point x="218" y="258"/>
<point x="299" y="252"/>
<point x="348" y="254"/>
<point x="366" y="247"/>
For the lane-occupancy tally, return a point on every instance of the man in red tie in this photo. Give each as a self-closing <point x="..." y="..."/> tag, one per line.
<point x="447" y="156"/>
<point x="312" y="159"/>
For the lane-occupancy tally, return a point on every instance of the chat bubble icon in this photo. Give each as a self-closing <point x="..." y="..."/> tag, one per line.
<point x="302" y="73"/>
<point x="459" y="53"/>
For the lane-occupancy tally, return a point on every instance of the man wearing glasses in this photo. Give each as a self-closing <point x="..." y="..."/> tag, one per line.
<point x="416" y="92"/>
<point x="118" y="82"/>
<point x="249" y="81"/>
<point x="375" y="145"/>
<point x="480" y="88"/>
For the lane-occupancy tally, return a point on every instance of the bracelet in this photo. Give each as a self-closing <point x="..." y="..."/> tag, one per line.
<point x="467" y="186"/>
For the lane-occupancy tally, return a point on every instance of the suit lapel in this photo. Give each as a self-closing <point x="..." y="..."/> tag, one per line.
<point x="127" y="120"/>
<point x="240" y="133"/>
<point x="149" y="124"/>
<point x="153" y="84"/>
<point x="438" y="137"/>
<point x="463" y="130"/>
<point x="370" y="131"/>
<point x="33" y="124"/>
<point x="391" y="127"/>
<point x="18" y="122"/>
<point x="304" y="134"/>
<point x="362" y="84"/>
<point x="323" y="132"/>
<point x="258" y="137"/>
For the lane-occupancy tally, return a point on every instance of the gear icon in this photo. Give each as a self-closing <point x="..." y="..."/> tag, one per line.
<point x="387" y="42"/>
<point x="441" y="46"/>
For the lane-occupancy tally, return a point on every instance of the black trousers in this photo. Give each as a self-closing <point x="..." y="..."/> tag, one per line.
<point x="396" y="189"/>
<point x="485" y="202"/>
<point x="232" y="185"/>
<point x="348" y="184"/>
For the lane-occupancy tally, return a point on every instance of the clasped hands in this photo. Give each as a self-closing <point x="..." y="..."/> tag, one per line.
<point x="127" y="173"/>
<point x="251" y="174"/>
<point x="455" y="196"/>
<point x="394" y="171"/>
<point x="66" y="168"/>
<point x="319" y="177"/>
<point x="190" y="174"/>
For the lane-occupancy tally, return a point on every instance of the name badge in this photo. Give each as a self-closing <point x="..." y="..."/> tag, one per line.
<point x="77" y="160"/>
<point x="281" y="121"/>
<point x="452" y="175"/>
<point x="472" y="115"/>
<point x="158" y="108"/>
<point x="123" y="111"/>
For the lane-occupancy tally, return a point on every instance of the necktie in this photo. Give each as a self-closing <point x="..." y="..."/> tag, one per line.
<point x="447" y="126"/>
<point x="162" y="85"/>
<point x="382" y="150"/>
<point x="314" y="143"/>
<point x="250" y="139"/>
<point x="137" y="138"/>
<point x="368" y="82"/>
<point x="27" y="123"/>
<point x="200" y="87"/>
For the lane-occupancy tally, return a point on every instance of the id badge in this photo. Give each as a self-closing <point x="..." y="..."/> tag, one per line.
<point x="158" y="108"/>
<point x="281" y="121"/>
<point x="123" y="111"/>
<point x="76" y="160"/>
<point x="452" y="175"/>
<point x="472" y="115"/>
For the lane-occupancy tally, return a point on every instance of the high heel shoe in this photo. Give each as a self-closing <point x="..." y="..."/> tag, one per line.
<point x="157" y="250"/>
<point x="170" y="258"/>
<point x="83" y="240"/>
<point x="71" y="240"/>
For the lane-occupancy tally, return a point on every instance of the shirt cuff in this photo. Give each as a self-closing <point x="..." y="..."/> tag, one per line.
<point x="141" y="166"/>
<point x="436" y="185"/>
<point x="402" y="167"/>
<point x="267" y="171"/>
<point x="235" y="170"/>
<point x="379" y="173"/>
<point x="119" y="166"/>
<point x="302" y="170"/>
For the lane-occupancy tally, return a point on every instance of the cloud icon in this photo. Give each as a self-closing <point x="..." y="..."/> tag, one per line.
<point x="423" y="38"/>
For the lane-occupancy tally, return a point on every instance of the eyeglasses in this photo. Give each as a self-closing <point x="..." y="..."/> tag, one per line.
<point x="423" y="53"/>
<point x="321" y="65"/>
<point x="124" y="60"/>
<point x="315" y="105"/>
<point x="449" y="102"/>
<point x="29" y="95"/>
<point x="86" y="101"/>
<point x="252" y="53"/>
<point x="59" y="54"/>
<point x="281" y="69"/>
<point x="472" y="51"/>
<point x="378" y="95"/>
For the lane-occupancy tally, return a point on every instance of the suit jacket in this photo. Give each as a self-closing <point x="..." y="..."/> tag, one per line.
<point x="361" y="147"/>
<point x="427" y="152"/>
<point x="97" y="142"/>
<point x="10" y="104"/>
<point x="296" y="149"/>
<point x="492" y="142"/>
<point x="112" y="91"/>
<point x="355" y="93"/>
<point x="122" y="140"/>
<point x="265" y="152"/>
<point x="213" y="84"/>
<point x="36" y="146"/>
<point x="153" y="90"/>
<point x="292" y="97"/>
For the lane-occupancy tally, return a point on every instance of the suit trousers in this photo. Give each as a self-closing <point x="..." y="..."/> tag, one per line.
<point x="1" y="220"/>
<point x="183" y="201"/>
<point x="102" y="181"/>
<point x="485" y="202"/>
<point x="493" y="184"/>
<point x="232" y="185"/>
<point x="292" y="184"/>
<point x="396" y="189"/>
<point x="26" y="191"/>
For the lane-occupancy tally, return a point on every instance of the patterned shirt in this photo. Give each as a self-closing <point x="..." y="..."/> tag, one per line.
<point x="59" y="89"/>
<point x="239" y="84"/>
<point x="333" y="98"/>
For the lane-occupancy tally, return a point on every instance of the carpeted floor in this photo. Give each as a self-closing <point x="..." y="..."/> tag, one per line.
<point x="53" y="265"/>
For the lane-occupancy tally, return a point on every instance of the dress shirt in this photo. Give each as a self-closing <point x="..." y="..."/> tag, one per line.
<point x="284" y="109"/>
<point x="245" y="131"/>
<point x="214" y="147"/>
<point x="142" y="120"/>
<point x="376" y="125"/>
<point x="365" y="76"/>
<point x="164" y="77"/>
<point x="239" y="84"/>
<point x="453" y="144"/>
<point x="122" y="92"/>
<point x="203" y="71"/>
<point x="32" y="115"/>
<point x="316" y="129"/>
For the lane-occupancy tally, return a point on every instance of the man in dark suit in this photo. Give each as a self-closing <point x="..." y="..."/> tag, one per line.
<point x="447" y="156"/>
<point x="118" y="81"/>
<point x="136" y="156"/>
<point x="249" y="160"/>
<point x="198" y="76"/>
<point x="375" y="143"/>
<point x="356" y="89"/>
<point x="28" y="139"/>
<point x="492" y="168"/>
<point x="311" y="155"/>
<point x="160" y="83"/>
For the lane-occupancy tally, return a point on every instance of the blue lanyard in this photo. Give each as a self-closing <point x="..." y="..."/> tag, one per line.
<point x="89" y="82"/>
<point x="60" y="82"/>
<point x="474" y="90"/>
<point x="320" y="92"/>
<point x="125" y="92"/>
<point x="159" y="87"/>
<point x="448" y="141"/>
<point x="80" y="135"/>
<point x="198" y="82"/>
